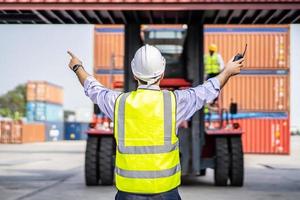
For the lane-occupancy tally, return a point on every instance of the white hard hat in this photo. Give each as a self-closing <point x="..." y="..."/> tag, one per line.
<point x="148" y="64"/>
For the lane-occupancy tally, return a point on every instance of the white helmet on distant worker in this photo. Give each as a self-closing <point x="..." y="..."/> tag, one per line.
<point x="148" y="64"/>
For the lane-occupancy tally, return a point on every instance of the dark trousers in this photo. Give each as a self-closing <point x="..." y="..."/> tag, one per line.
<point x="170" y="195"/>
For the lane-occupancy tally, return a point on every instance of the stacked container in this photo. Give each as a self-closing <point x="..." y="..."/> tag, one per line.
<point x="44" y="105"/>
<point x="261" y="88"/>
<point x="109" y="54"/>
<point x="263" y="85"/>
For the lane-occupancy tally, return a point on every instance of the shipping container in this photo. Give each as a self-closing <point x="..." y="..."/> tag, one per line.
<point x="263" y="133"/>
<point x="109" y="47"/>
<point x="6" y="131"/>
<point x="41" y="111"/>
<point x="33" y="132"/>
<point x="107" y="80"/>
<point x="257" y="93"/>
<point x="44" y="91"/>
<point x="268" y="45"/>
<point x="84" y="115"/>
<point x="54" y="131"/>
<point x="124" y="3"/>
<point x="16" y="134"/>
<point x="266" y="135"/>
<point x="76" y="130"/>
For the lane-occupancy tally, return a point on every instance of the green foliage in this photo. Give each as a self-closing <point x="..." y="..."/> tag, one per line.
<point x="13" y="103"/>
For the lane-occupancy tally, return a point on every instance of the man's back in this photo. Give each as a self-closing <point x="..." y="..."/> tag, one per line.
<point x="147" y="158"/>
<point x="148" y="66"/>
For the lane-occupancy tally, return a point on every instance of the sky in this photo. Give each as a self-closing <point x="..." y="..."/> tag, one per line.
<point x="39" y="52"/>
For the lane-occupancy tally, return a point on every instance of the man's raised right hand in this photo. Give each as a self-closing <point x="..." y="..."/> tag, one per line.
<point x="234" y="67"/>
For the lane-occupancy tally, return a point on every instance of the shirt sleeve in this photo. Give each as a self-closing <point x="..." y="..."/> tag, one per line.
<point x="193" y="99"/>
<point x="105" y="98"/>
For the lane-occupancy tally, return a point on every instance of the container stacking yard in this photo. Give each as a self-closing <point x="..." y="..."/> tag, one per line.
<point x="44" y="105"/>
<point x="261" y="91"/>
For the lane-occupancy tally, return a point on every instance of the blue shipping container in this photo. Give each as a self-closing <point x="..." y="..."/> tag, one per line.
<point x="41" y="111"/>
<point x="76" y="130"/>
<point x="54" y="131"/>
<point x="30" y="112"/>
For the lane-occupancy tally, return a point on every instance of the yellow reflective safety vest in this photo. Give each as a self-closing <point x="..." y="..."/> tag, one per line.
<point x="147" y="153"/>
<point x="211" y="63"/>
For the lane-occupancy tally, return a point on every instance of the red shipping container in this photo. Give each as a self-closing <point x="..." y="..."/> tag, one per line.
<point x="266" y="135"/>
<point x="16" y="134"/>
<point x="147" y="1"/>
<point x="268" y="45"/>
<point x="33" y="133"/>
<point x="44" y="91"/>
<point x="5" y="131"/>
<point x="109" y="47"/>
<point x="257" y="93"/>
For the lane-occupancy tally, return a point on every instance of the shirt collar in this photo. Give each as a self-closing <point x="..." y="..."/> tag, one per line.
<point x="151" y="87"/>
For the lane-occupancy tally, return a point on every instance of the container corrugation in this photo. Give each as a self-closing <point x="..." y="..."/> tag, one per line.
<point x="268" y="46"/>
<point x="109" y="48"/>
<point x="266" y="135"/>
<point x="16" y="134"/>
<point x="148" y="1"/>
<point x="107" y="80"/>
<point x="75" y="130"/>
<point x="6" y="128"/>
<point x="54" y="131"/>
<point x="33" y="132"/>
<point x="257" y="93"/>
<point x="41" y="111"/>
<point x="44" y="91"/>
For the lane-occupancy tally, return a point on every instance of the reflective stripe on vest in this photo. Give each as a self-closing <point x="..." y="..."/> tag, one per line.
<point x="212" y="64"/>
<point x="147" y="168"/>
<point x="148" y="174"/>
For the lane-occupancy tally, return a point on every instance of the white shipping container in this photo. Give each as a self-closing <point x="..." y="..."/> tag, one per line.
<point x="84" y="115"/>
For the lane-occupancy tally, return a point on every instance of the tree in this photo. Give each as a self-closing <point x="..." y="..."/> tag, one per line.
<point x="13" y="103"/>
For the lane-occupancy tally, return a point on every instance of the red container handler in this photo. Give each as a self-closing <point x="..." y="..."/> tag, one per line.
<point x="265" y="135"/>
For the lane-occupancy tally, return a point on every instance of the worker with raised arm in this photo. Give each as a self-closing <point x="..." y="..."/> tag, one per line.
<point x="146" y="120"/>
<point x="213" y="62"/>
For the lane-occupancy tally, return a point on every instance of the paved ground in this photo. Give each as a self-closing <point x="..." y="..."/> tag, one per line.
<point x="50" y="171"/>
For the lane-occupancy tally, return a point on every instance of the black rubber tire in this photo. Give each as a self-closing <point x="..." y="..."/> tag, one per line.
<point x="91" y="161"/>
<point x="106" y="167"/>
<point x="222" y="160"/>
<point x="236" y="172"/>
